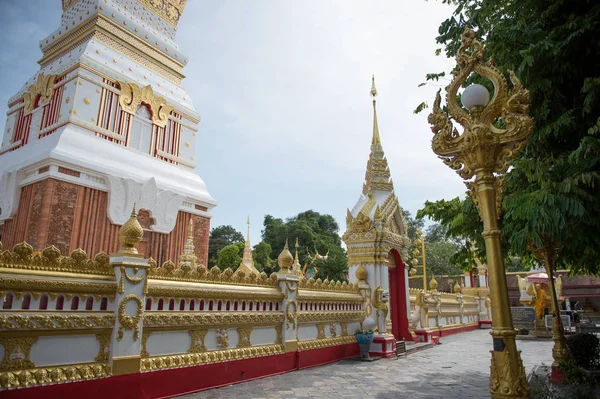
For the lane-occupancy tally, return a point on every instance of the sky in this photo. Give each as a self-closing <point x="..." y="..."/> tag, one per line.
<point x="282" y="88"/>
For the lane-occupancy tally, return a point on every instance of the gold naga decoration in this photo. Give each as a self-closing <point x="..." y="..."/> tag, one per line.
<point x="50" y="259"/>
<point x="169" y="10"/>
<point x="132" y="96"/>
<point x="42" y="89"/>
<point x="483" y="143"/>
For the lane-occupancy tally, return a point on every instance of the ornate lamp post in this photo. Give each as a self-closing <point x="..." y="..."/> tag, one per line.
<point x="494" y="132"/>
<point x="419" y="249"/>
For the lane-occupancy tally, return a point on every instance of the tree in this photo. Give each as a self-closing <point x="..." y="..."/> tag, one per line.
<point x="435" y="233"/>
<point x="230" y="256"/>
<point x="551" y="196"/>
<point x="412" y="224"/>
<point x="315" y="233"/>
<point x="262" y="258"/>
<point x="461" y="222"/>
<point x="220" y="237"/>
<point x="438" y="256"/>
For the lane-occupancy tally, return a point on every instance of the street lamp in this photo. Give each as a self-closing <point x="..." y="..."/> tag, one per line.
<point x="419" y="243"/>
<point x="495" y="130"/>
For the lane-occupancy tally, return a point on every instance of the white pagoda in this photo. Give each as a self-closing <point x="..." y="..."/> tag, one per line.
<point x="105" y="123"/>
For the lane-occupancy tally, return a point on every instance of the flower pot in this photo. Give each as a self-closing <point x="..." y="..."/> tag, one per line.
<point x="364" y="341"/>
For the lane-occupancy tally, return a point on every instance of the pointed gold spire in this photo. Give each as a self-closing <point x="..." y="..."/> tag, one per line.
<point x="188" y="256"/>
<point x="375" y="141"/>
<point x="377" y="176"/>
<point x="247" y="263"/>
<point x="248" y="233"/>
<point x="296" y="266"/>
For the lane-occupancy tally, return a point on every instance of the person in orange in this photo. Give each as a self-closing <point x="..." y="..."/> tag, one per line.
<point x="541" y="298"/>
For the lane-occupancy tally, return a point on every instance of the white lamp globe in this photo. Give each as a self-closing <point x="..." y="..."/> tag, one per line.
<point x="475" y="95"/>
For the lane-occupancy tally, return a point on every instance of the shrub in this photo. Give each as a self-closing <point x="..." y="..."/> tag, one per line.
<point x="585" y="350"/>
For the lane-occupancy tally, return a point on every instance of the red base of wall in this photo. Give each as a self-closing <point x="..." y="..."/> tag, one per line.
<point x="485" y="324"/>
<point x="167" y="383"/>
<point x="434" y="335"/>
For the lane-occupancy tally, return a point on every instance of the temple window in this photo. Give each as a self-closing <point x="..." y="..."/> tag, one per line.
<point x="141" y="130"/>
<point x="26" y="302"/>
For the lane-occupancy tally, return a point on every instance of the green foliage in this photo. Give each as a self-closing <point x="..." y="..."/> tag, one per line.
<point x="585" y="350"/>
<point x="220" y="237"/>
<point x="436" y="233"/>
<point x="262" y="258"/>
<point x="412" y="224"/>
<point x="438" y="256"/>
<point x="315" y="232"/>
<point x="463" y="226"/>
<point x="552" y="191"/>
<point x="230" y="256"/>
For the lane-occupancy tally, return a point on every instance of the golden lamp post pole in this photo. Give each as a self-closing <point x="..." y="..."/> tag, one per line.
<point x="419" y="241"/>
<point x="494" y="132"/>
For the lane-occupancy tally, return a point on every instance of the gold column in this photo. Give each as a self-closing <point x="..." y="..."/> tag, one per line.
<point x="493" y="135"/>
<point x="424" y="264"/>
<point x="548" y="254"/>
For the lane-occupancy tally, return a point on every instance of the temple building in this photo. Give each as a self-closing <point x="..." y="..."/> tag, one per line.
<point x="103" y="125"/>
<point x="377" y="241"/>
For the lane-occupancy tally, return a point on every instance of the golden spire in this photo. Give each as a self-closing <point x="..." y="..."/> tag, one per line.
<point x="377" y="176"/>
<point x="247" y="263"/>
<point x="285" y="258"/>
<point x="188" y="256"/>
<point x="296" y="266"/>
<point x="248" y="233"/>
<point x="376" y="141"/>
<point x="130" y="234"/>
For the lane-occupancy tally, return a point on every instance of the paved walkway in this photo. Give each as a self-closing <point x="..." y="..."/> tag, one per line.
<point x="458" y="368"/>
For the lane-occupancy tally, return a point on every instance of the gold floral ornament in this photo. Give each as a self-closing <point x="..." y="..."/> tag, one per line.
<point x="42" y="89"/>
<point x="169" y="10"/>
<point x="130" y="322"/>
<point x="130" y="234"/>
<point x="132" y="96"/>
<point x="50" y="259"/>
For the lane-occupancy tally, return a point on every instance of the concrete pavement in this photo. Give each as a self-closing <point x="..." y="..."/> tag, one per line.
<point x="458" y="368"/>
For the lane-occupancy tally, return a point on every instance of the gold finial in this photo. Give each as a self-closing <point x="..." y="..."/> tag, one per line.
<point x="433" y="283"/>
<point x="296" y="261"/>
<point x="457" y="288"/>
<point x="130" y="234"/>
<point x="373" y="88"/>
<point x="247" y="263"/>
<point x="248" y="233"/>
<point x="361" y="274"/>
<point x="285" y="258"/>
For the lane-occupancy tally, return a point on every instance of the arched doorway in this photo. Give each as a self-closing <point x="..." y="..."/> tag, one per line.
<point x="399" y="306"/>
